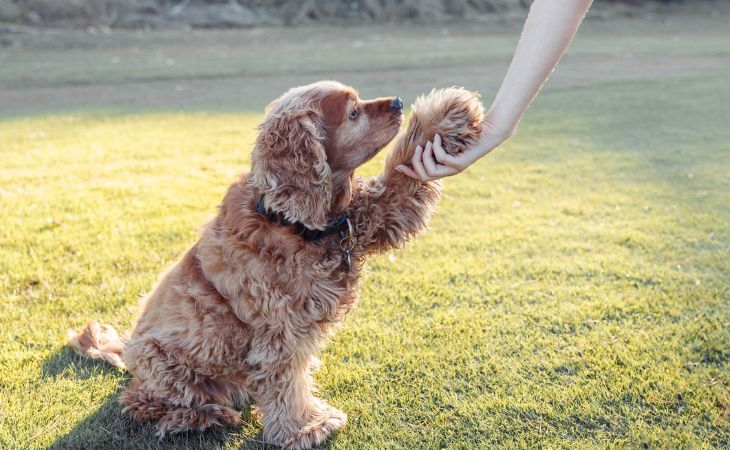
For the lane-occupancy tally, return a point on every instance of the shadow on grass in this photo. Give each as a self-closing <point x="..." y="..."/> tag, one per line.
<point x="111" y="428"/>
<point x="65" y="363"/>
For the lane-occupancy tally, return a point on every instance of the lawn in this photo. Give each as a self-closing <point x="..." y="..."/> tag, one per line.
<point x="573" y="291"/>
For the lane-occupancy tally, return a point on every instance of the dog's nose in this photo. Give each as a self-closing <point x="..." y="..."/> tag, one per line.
<point x="396" y="104"/>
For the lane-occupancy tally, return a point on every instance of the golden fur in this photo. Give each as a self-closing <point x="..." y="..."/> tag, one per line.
<point x="243" y="315"/>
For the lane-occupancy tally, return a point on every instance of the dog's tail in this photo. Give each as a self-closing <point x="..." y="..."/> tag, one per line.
<point x="98" y="343"/>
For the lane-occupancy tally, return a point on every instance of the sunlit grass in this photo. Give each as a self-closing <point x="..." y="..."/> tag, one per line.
<point x="573" y="290"/>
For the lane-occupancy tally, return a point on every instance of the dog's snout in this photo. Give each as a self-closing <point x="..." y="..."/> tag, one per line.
<point x="396" y="104"/>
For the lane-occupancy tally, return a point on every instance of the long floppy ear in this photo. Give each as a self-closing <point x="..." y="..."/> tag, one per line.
<point x="343" y="196"/>
<point x="290" y="166"/>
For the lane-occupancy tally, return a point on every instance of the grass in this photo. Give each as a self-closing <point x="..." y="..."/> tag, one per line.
<point x="574" y="290"/>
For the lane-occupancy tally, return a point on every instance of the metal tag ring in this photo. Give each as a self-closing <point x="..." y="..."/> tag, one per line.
<point x="347" y="244"/>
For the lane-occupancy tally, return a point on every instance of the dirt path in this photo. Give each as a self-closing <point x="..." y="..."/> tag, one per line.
<point x="241" y="70"/>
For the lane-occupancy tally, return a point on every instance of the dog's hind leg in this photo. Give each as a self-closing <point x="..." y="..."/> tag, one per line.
<point x="166" y="390"/>
<point x="144" y="405"/>
<point x="198" y="418"/>
<point x="241" y="398"/>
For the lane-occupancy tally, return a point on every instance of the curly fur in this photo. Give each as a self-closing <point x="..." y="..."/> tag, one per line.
<point x="245" y="312"/>
<point x="289" y="161"/>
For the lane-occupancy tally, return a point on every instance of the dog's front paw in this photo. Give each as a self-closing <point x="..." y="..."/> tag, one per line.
<point x="320" y="426"/>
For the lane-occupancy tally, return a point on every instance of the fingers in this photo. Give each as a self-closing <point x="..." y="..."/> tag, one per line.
<point x="407" y="171"/>
<point x="426" y="165"/>
<point x="417" y="164"/>
<point x="428" y="160"/>
<point x="419" y="161"/>
<point x="433" y="169"/>
<point x="443" y="171"/>
<point x="433" y="162"/>
<point x="444" y="158"/>
<point x="419" y="172"/>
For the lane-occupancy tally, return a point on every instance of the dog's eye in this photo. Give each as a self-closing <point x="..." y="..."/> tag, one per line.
<point x="353" y="114"/>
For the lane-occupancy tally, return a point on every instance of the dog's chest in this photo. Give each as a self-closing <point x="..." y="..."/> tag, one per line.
<point x="310" y="283"/>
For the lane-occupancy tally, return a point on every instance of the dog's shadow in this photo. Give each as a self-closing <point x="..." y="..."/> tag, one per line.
<point x="68" y="365"/>
<point x="110" y="428"/>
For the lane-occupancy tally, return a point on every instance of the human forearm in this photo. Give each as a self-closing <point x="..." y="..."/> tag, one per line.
<point x="548" y="30"/>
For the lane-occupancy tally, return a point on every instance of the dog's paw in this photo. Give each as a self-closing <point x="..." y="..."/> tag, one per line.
<point x="320" y="427"/>
<point x="454" y="113"/>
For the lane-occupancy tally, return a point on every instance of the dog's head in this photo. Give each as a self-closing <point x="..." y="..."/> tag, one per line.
<point x="310" y="143"/>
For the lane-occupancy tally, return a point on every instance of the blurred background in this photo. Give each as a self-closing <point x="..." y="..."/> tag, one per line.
<point x="64" y="55"/>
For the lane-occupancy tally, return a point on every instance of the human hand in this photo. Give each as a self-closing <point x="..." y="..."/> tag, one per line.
<point x="432" y="162"/>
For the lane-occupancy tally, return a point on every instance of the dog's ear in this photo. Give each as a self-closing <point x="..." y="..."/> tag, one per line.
<point x="290" y="166"/>
<point x="342" y="196"/>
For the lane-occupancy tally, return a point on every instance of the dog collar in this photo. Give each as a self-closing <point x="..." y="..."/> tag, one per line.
<point x="333" y="226"/>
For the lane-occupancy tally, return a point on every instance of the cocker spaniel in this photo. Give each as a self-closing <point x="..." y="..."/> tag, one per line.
<point x="242" y="316"/>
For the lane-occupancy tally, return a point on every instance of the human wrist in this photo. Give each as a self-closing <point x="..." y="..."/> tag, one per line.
<point x="498" y="131"/>
<point x="505" y="134"/>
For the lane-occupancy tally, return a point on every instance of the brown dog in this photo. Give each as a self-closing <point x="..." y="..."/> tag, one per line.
<point x="245" y="312"/>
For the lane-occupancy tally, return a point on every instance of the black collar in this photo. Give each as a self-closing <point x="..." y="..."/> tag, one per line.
<point x="333" y="226"/>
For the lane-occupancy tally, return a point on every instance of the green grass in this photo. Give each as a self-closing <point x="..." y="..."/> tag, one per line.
<point x="574" y="290"/>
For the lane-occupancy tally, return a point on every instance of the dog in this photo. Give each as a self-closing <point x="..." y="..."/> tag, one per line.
<point x="242" y="316"/>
